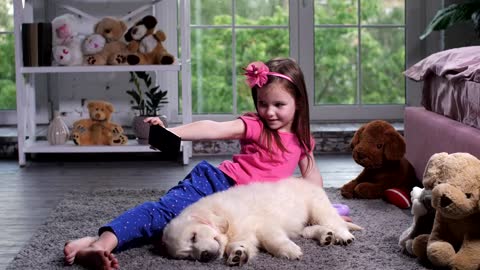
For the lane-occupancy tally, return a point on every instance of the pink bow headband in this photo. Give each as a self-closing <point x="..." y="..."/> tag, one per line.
<point x="257" y="72"/>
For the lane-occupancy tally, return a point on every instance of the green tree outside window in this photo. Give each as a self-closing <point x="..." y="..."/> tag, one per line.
<point x="7" y="57"/>
<point x="382" y="52"/>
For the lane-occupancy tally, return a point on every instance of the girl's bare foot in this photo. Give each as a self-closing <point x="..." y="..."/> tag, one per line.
<point x="72" y="247"/>
<point x="94" y="257"/>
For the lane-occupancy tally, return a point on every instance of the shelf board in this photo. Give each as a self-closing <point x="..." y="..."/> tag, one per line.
<point x="70" y="147"/>
<point x="68" y="69"/>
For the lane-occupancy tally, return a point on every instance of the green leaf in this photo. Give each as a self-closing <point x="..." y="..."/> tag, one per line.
<point x="148" y="101"/>
<point x="451" y="15"/>
<point x="134" y="95"/>
<point x="154" y="89"/>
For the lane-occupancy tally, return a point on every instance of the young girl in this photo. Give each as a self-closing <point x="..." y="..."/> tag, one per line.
<point x="274" y="141"/>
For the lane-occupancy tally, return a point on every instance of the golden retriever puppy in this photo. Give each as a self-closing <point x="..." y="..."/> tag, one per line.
<point x="239" y="221"/>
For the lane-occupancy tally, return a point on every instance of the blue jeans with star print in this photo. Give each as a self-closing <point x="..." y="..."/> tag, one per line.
<point x="146" y="221"/>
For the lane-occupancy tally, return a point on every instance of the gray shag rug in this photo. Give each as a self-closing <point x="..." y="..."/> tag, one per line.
<point x="81" y="214"/>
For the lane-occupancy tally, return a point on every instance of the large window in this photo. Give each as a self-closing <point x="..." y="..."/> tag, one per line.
<point x="352" y="52"/>
<point x="226" y="36"/>
<point x="7" y="57"/>
<point x="359" y="56"/>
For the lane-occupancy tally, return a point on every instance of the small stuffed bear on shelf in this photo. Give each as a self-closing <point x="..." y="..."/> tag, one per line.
<point x="114" y="50"/>
<point x="145" y="44"/>
<point x="98" y="130"/>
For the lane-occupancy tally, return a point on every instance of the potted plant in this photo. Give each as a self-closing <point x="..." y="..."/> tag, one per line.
<point x="453" y="14"/>
<point x="147" y="100"/>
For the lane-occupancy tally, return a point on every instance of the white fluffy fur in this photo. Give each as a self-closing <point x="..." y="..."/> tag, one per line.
<point x="242" y="219"/>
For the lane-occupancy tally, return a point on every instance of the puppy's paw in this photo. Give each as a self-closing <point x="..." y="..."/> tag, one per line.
<point x="238" y="256"/>
<point x="323" y="234"/>
<point x="326" y="238"/>
<point x="290" y="251"/>
<point x="344" y="238"/>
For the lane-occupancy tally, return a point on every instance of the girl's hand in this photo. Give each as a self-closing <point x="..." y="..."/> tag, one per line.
<point x="154" y="121"/>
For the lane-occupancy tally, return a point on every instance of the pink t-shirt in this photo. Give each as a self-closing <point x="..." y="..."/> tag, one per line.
<point x="255" y="163"/>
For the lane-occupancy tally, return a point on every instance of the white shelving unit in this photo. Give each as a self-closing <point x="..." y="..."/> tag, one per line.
<point x="25" y="83"/>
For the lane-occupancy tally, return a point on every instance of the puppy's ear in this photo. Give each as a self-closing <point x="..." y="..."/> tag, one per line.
<point x="394" y="145"/>
<point x="221" y="223"/>
<point x="211" y="219"/>
<point x="356" y="137"/>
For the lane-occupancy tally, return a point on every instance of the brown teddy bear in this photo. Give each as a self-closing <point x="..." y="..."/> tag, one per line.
<point x="114" y="51"/>
<point x="454" y="241"/>
<point x="98" y="130"/>
<point x="380" y="149"/>
<point x="146" y="44"/>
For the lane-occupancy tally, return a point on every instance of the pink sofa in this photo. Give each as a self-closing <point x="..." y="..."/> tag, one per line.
<point x="427" y="133"/>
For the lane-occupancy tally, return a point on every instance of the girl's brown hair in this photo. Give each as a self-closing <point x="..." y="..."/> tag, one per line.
<point x="297" y="88"/>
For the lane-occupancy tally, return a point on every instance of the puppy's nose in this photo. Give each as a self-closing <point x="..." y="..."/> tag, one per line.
<point x="206" y="256"/>
<point x="445" y="201"/>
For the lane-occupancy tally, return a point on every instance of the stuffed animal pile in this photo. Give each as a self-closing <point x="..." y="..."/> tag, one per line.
<point x="102" y="42"/>
<point x="98" y="129"/>
<point x="380" y="149"/>
<point x="68" y="32"/>
<point x="454" y="241"/>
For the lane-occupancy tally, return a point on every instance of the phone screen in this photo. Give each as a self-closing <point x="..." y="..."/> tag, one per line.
<point x="161" y="139"/>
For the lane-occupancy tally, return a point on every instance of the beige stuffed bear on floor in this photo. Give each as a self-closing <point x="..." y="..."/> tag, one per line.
<point x="455" y="238"/>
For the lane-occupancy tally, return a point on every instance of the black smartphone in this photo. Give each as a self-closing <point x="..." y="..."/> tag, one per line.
<point x="161" y="139"/>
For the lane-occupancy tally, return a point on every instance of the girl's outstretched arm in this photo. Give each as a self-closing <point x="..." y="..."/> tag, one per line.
<point x="206" y="129"/>
<point x="311" y="173"/>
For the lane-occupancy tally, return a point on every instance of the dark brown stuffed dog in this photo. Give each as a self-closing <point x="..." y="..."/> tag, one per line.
<point x="380" y="149"/>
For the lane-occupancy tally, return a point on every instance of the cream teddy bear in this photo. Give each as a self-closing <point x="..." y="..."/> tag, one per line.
<point x="454" y="241"/>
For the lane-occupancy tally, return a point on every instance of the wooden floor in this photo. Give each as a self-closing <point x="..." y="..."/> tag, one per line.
<point x="28" y="194"/>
